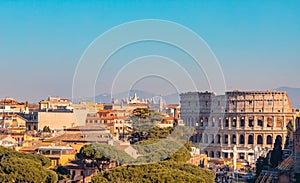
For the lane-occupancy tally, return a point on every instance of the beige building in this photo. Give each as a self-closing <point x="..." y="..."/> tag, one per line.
<point x="55" y="104"/>
<point x="56" y="120"/>
<point x="10" y="105"/>
<point x="249" y="121"/>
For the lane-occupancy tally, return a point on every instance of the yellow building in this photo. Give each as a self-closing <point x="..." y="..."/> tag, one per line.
<point x="59" y="155"/>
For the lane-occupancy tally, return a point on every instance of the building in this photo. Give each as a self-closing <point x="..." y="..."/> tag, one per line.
<point x="55" y="104"/>
<point x="10" y="105"/>
<point x="11" y="120"/>
<point x="59" y="155"/>
<point x="249" y="120"/>
<point x="56" y="120"/>
<point x="81" y="172"/>
<point x="91" y="107"/>
<point x="7" y="141"/>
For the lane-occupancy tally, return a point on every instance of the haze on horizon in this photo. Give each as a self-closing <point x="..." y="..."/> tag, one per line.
<point x="256" y="43"/>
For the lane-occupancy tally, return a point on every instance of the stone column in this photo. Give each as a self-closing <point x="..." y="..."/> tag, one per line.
<point x="274" y="124"/>
<point x="246" y="122"/>
<point x="283" y="122"/>
<point x="238" y="122"/>
<point x="221" y="140"/>
<point x="265" y="121"/>
<point x="246" y="139"/>
<point x="221" y="123"/>
<point x="237" y="139"/>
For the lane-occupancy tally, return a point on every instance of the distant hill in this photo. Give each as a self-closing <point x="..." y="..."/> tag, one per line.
<point x="294" y="94"/>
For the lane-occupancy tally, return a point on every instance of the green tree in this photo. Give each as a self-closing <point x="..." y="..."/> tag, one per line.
<point x="87" y="152"/>
<point x="290" y="129"/>
<point x="63" y="173"/>
<point x="141" y="112"/>
<point x="261" y="164"/>
<point x="276" y="155"/>
<point x="144" y="119"/>
<point x="22" y="167"/>
<point x="167" y="171"/>
<point x="46" y="129"/>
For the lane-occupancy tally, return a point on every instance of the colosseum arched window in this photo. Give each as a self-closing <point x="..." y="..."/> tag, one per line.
<point x="242" y="139"/>
<point x="259" y="139"/>
<point x="269" y="139"/>
<point x="250" y="139"/>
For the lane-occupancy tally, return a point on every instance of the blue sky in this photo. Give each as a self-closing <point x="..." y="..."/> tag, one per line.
<point x="41" y="42"/>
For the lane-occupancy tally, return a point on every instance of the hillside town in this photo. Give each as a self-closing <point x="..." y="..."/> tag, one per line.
<point x="236" y="135"/>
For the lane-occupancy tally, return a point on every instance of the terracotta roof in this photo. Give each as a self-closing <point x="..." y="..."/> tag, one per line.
<point x="168" y="118"/>
<point x="107" y="111"/>
<point x="286" y="164"/>
<point x="81" y="137"/>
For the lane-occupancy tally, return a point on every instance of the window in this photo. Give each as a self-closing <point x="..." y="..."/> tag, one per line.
<point x="242" y="139"/>
<point x="242" y="122"/>
<point x="233" y="141"/>
<point x="226" y="122"/>
<point x="250" y="122"/>
<point x="226" y="139"/>
<point x="260" y="122"/>
<point x="218" y="139"/>
<point x="279" y="122"/>
<point x="250" y="139"/>
<point x="269" y="122"/>
<point x="242" y="155"/>
<point x="269" y="140"/>
<point x="259" y="139"/>
<point x="234" y="122"/>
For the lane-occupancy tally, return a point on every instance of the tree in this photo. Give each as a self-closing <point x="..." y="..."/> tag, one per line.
<point x="167" y="171"/>
<point x="276" y="155"/>
<point x="88" y="153"/>
<point x="290" y="129"/>
<point x="22" y="167"/>
<point x="261" y="163"/>
<point x="141" y="112"/>
<point x="63" y="173"/>
<point x="46" y="129"/>
<point x="144" y="119"/>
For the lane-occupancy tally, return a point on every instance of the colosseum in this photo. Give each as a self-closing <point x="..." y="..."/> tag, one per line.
<point x="242" y="122"/>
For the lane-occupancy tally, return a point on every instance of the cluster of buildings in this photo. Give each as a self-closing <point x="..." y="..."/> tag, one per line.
<point x="57" y="128"/>
<point x="238" y="126"/>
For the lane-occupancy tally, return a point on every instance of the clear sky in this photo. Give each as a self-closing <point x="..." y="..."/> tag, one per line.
<point x="257" y="43"/>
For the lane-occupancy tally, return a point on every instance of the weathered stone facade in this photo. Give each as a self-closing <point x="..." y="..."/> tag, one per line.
<point x="251" y="121"/>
